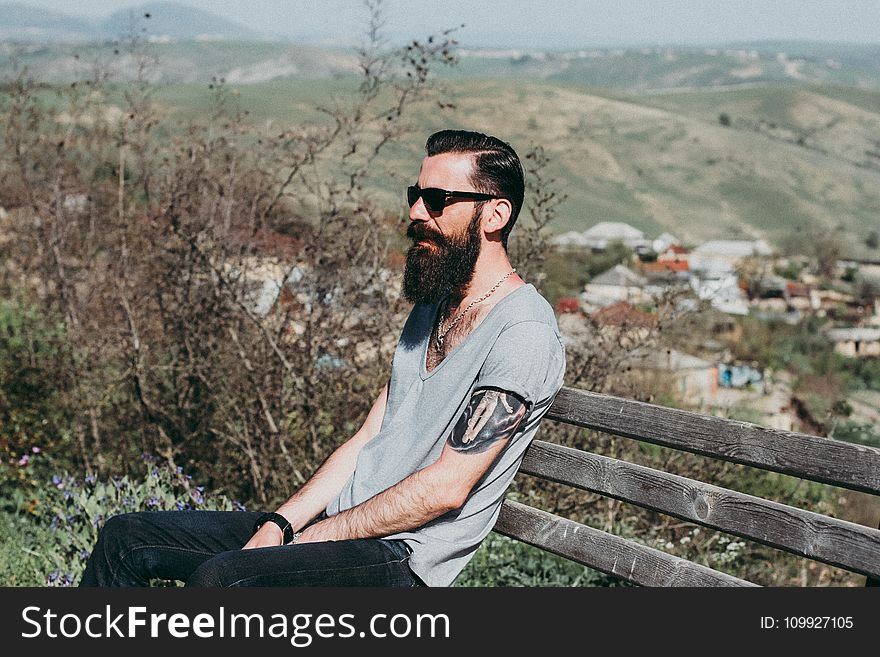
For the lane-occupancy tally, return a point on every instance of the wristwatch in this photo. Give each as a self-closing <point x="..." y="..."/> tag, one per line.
<point x="282" y="522"/>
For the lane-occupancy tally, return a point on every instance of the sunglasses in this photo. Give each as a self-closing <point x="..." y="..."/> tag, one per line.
<point x="436" y="199"/>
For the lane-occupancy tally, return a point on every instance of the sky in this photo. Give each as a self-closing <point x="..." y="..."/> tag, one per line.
<point x="542" y="23"/>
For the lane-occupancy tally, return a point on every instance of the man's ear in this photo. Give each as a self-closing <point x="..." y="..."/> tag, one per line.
<point x="498" y="216"/>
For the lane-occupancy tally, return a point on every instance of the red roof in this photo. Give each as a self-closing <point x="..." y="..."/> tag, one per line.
<point x="663" y="266"/>
<point x="568" y="305"/>
<point x="623" y="314"/>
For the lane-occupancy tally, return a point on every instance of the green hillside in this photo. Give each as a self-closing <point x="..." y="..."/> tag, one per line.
<point x="660" y="163"/>
<point x="697" y="142"/>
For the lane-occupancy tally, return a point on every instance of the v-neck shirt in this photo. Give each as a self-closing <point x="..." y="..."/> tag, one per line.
<point x="517" y="348"/>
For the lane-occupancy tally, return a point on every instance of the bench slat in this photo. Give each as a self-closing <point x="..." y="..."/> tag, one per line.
<point x="835" y="462"/>
<point x="818" y="537"/>
<point x="605" y="552"/>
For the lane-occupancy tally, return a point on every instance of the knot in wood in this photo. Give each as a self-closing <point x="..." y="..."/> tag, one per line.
<point x="701" y="506"/>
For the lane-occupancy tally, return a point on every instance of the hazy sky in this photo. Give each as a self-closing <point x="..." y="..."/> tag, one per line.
<point x="548" y="23"/>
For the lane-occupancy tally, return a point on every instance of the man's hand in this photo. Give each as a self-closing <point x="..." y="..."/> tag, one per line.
<point x="269" y="535"/>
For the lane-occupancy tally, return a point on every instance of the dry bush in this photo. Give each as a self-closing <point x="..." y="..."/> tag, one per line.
<point x="227" y="295"/>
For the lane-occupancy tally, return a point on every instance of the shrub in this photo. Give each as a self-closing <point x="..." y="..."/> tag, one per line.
<point x="856" y="432"/>
<point x="502" y="561"/>
<point x="57" y="538"/>
<point x="33" y="359"/>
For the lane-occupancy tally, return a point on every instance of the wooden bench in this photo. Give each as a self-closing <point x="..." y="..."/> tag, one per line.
<point x="840" y="543"/>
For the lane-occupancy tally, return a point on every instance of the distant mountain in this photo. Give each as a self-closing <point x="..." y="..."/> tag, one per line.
<point x="175" y="21"/>
<point x="680" y="68"/>
<point x="167" y="21"/>
<point x="21" y="22"/>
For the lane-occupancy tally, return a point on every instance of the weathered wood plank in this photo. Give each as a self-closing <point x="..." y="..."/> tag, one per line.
<point x="605" y="552"/>
<point x="813" y="535"/>
<point x="810" y="457"/>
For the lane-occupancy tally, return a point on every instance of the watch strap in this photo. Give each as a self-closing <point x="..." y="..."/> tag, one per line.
<point x="282" y="522"/>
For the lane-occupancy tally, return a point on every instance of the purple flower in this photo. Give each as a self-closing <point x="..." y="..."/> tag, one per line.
<point x="83" y="555"/>
<point x="56" y="480"/>
<point x="238" y="506"/>
<point x="35" y="449"/>
<point x="152" y="502"/>
<point x="90" y="479"/>
<point x="67" y="495"/>
<point x="24" y="460"/>
<point x="179" y="469"/>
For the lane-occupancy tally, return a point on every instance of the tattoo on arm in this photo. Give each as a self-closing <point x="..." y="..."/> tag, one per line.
<point x="491" y="415"/>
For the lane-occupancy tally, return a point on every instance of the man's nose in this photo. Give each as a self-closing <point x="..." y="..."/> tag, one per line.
<point x="418" y="211"/>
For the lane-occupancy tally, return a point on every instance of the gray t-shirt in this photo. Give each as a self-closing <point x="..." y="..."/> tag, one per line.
<point x="517" y="348"/>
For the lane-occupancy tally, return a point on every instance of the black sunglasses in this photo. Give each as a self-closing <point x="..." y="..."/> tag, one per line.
<point x="436" y="198"/>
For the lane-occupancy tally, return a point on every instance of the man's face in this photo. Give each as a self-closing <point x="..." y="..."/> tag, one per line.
<point x="445" y="244"/>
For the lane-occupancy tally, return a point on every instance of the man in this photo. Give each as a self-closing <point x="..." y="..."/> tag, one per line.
<point x="408" y="499"/>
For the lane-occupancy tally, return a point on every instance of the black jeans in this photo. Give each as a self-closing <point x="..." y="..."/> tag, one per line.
<point x="203" y="548"/>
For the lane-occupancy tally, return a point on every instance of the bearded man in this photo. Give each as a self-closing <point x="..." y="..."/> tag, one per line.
<point x="408" y="499"/>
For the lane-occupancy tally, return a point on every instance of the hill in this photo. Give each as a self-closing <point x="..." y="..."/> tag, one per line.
<point x="793" y="161"/>
<point x="171" y="20"/>
<point x="160" y="21"/>
<point x="19" y="21"/>
<point x="697" y="142"/>
<point x="680" y="68"/>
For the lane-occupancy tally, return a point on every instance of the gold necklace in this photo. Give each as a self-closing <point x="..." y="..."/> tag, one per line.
<point x="441" y="334"/>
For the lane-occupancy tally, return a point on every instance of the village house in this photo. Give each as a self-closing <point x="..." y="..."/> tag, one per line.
<point x="665" y="271"/>
<point x="802" y="297"/>
<point x="721" y="288"/>
<point x="664" y="242"/>
<point x="600" y="236"/>
<point x="694" y="380"/>
<point x="728" y="251"/>
<point x="633" y="325"/>
<point x="675" y="252"/>
<point x="619" y="283"/>
<point x="856" y="342"/>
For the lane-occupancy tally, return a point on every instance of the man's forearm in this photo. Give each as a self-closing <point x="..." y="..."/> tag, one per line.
<point x="323" y="486"/>
<point x="409" y="504"/>
<point x="329" y="479"/>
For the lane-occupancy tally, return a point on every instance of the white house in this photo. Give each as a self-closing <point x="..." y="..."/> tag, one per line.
<point x="616" y="284"/>
<point x="663" y="242"/>
<point x="716" y="253"/>
<point x="856" y="342"/>
<point x="606" y="232"/>
<point x="598" y="237"/>
<point x="695" y="379"/>
<point x="721" y="289"/>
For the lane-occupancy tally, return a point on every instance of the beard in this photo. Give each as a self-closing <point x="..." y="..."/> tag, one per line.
<point x="444" y="265"/>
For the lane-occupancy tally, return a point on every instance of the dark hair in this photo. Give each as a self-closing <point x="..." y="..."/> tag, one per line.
<point x="497" y="169"/>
